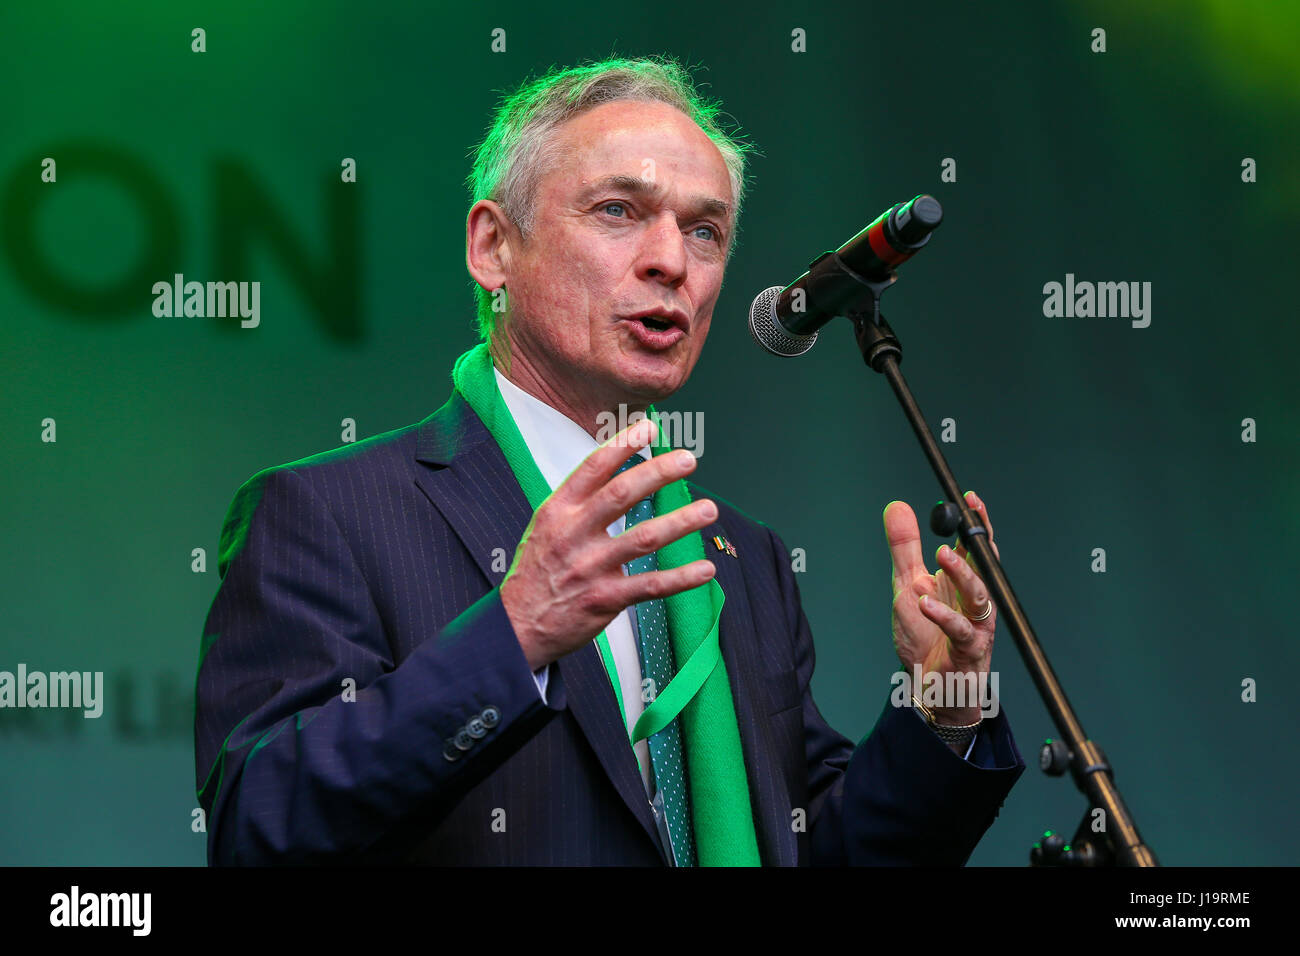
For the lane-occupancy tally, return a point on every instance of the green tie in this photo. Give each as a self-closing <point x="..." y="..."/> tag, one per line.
<point x="666" y="757"/>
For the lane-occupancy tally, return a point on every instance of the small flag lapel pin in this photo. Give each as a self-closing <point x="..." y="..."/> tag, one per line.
<point x="723" y="544"/>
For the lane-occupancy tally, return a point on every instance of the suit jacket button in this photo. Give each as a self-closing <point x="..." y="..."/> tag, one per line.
<point x="450" y="752"/>
<point x="463" y="740"/>
<point x="476" y="727"/>
<point x="491" y="716"/>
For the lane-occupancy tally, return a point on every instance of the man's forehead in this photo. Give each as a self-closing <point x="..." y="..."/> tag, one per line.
<point x="614" y="143"/>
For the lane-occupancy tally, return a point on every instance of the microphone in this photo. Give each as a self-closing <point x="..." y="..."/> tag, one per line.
<point x="785" y="321"/>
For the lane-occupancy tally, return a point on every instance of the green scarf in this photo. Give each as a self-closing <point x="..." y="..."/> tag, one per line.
<point x="715" y="767"/>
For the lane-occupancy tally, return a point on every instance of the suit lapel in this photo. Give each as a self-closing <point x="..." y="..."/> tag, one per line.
<point x="472" y="485"/>
<point x="768" y="796"/>
<point x="591" y="699"/>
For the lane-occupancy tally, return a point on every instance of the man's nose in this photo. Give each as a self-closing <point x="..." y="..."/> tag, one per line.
<point x="663" y="251"/>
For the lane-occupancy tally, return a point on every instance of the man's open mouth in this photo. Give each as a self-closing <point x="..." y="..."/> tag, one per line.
<point x="660" y="321"/>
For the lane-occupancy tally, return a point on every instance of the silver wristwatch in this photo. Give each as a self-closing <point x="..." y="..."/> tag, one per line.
<point x="948" y="733"/>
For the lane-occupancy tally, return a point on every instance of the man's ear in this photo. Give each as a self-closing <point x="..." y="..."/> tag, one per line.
<point x="491" y="240"/>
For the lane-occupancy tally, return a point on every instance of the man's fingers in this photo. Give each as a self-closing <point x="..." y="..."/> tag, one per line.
<point x="972" y="593"/>
<point x="975" y="502"/>
<point x="598" y="467"/>
<point x="652" y="535"/>
<point x="954" y="624"/>
<point x="904" y="543"/>
<point x="982" y="510"/>
<point x="659" y="584"/>
<point x="642" y="480"/>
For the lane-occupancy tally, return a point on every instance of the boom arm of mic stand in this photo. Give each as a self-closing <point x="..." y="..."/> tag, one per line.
<point x="1118" y="840"/>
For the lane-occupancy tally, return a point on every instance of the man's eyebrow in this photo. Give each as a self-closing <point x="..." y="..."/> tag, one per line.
<point x="637" y="186"/>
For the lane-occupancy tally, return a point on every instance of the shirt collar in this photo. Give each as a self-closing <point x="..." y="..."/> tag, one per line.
<point x="558" y="444"/>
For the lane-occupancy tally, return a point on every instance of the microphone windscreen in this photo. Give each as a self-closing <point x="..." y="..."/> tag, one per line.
<point x="769" y="333"/>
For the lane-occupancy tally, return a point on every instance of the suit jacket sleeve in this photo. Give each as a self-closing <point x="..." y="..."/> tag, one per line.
<point x="290" y="768"/>
<point x="901" y="796"/>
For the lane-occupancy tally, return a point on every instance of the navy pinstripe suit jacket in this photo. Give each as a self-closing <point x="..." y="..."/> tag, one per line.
<point x="374" y="564"/>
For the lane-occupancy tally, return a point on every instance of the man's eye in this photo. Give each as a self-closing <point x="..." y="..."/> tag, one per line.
<point x="614" y="205"/>
<point x="712" y="233"/>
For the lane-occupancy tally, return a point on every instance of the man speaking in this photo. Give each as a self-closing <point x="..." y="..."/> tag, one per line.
<point x="378" y="682"/>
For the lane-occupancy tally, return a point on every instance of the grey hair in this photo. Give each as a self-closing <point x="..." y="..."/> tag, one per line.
<point x="520" y="146"/>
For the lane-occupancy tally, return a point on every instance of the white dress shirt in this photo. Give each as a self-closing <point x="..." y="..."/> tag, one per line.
<point x="558" y="445"/>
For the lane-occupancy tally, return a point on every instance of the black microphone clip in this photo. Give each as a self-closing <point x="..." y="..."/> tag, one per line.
<point x="785" y="321"/>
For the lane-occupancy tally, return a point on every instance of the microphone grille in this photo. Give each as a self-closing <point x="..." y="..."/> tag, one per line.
<point x="769" y="333"/>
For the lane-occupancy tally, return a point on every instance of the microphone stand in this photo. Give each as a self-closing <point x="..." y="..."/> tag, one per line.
<point x="1107" y="835"/>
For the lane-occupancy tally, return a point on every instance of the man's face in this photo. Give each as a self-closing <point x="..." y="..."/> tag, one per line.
<point x="634" y="216"/>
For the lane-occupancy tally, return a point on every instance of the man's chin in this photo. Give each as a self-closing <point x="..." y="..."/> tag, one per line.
<point x="648" y="379"/>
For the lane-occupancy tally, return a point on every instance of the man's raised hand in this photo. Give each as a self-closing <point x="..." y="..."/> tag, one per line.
<point x="566" y="582"/>
<point x="932" y="613"/>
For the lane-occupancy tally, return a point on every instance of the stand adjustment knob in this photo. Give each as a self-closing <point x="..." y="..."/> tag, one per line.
<point x="1054" y="757"/>
<point x="1048" y="849"/>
